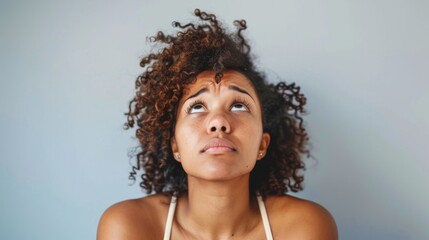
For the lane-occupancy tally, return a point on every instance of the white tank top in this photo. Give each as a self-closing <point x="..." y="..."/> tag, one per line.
<point x="262" y="209"/>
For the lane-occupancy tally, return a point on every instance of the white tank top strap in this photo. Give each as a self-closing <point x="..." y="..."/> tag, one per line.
<point x="262" y="209"/>
<point x="264" y="215"/>
<point x="170" y="216"/>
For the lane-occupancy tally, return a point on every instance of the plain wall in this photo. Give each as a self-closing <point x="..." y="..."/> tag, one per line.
<point x="67" y="71"/>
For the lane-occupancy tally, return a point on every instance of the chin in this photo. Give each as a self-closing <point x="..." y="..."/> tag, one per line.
<point x="221" y="172"/>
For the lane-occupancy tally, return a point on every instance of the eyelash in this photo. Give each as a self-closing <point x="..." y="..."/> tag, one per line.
<point x="196" y="102"/>
<point x="200" y="102"/>
<point x="243" y="101"/>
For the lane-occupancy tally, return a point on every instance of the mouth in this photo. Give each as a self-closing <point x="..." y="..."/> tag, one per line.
<point x="218" y="146"/>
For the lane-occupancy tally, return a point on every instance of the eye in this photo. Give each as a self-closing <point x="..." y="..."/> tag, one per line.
<point x="239" y="107"/>
<point x="196" y="107"/>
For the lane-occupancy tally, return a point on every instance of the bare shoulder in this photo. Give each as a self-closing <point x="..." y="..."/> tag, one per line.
<point x="141" y="218"/>
<point x="295" y="218"/>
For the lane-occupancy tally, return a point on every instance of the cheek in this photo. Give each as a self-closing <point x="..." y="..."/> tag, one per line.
<point x="249" y="125"/>
<point x="188" y="131"/>
<point x="252" y="133"/>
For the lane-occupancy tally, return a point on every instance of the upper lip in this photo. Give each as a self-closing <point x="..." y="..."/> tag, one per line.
<point x="218" y="142"/>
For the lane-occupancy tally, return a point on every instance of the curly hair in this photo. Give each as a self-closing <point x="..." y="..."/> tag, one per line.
<point x="197" y="47"/>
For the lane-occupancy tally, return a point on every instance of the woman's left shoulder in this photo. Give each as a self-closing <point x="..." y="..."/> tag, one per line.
<point x="295" y="218"/>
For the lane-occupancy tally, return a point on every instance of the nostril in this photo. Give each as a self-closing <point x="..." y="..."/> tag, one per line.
<point x="223" y="128"/>
<point x="213" y="129"/>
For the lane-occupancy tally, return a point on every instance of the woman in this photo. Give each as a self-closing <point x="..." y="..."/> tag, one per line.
<point x="220" y="147"/>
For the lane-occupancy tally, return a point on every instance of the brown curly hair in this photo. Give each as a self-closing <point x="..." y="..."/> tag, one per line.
<point x="197" y="47"/>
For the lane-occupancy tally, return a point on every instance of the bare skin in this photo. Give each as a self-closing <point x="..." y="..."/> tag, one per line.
<point x="218" y="139"/>
<point x="290" y="218"/>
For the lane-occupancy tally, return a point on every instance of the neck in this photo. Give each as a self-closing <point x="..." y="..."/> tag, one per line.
<point x="220" y="209"/>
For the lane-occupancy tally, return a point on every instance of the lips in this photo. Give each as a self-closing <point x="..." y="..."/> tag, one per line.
<point x="218" y="145"/>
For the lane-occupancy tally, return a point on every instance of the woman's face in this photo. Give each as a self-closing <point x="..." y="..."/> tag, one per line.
<point x="218" y="132"/>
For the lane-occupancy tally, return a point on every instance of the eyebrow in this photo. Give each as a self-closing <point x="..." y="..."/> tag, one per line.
<point x="235" y="88"/>
<point x="232" y="87"/>
<point x="202" y="90"/>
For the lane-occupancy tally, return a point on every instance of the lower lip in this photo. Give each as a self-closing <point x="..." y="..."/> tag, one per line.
<point x="218" y="150"/>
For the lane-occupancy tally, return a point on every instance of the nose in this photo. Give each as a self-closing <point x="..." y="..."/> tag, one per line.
<point x="219" y="123"/>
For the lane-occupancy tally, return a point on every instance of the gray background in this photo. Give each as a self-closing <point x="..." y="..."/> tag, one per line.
<point x="67" y="71"/>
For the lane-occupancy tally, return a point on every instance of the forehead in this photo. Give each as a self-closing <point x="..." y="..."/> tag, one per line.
<point x="206" y="79"/>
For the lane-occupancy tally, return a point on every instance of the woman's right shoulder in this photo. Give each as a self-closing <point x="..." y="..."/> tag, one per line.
<point x="135" y="218"/>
